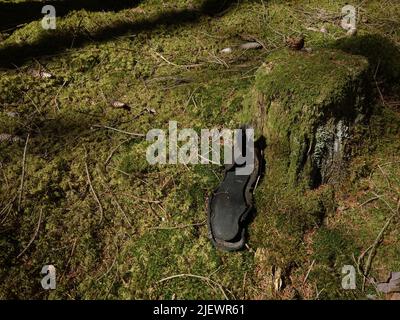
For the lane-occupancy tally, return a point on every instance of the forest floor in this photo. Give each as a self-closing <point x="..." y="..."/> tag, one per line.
<point x="77" y="192"/>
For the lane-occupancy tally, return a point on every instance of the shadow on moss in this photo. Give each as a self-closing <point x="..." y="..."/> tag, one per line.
<point x="382" y="54"/>
<point x="56" y="42"/>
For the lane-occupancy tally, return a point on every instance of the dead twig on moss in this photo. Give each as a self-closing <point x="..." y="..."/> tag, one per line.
<point x="372" y="249"/>
<point x="115" y="150"/>
<point x="96" y="198"/>
<point x="308" y="272"/>
<point x="55" y="99"/>
<point x="118" y="205"/>
<point x="377" y="85"/>
<point x="318" y="292"/>
<point x="6" y="210"/>
<point x="185" y="66"/>
<point x="369" y="200"/>
<point x="386" y="177"/>
<point x="23" y="173"/>
<point x="13" y="28"/>
<point x="180" y="226"/>
<point x="33" y="102"/>
<point x="388" y="205"/>
<point x="110" y="268"/>
<point x="69" y="259"/>
<point x="358" y="263"/>
<point x="207" y="280"/>
<point x="34" y="235"/>
<point x="122" y="210"/>
<point x="142" y="199"/>
<point x="120" y="131"/>
<point x="2" y="211"/>
<point x="218" y="60"/>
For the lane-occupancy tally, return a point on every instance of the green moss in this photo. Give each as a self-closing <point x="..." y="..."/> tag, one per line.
<point x="296" y="94"/>
<point x="332" y="250"/>
<point x="96" y="57"/>
<point x="134" y="159"/>
<point x="382" y="54"/>
<point x="331" y="247"/>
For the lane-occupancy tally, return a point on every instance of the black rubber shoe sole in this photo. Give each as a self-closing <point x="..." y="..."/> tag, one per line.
<point x="230" y="206"/>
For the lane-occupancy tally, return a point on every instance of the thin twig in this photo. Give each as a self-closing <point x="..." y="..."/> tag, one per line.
<point x="374" y="247"/>
<point x="69" y="259"/>
<point x="318" y="292"/>
<point x="121" y="131"/>
<point x="34" y="235"/>
<point x="110" y="268"/>
<point x="93" y="191"/>
<point x="142" y="199"/>
<point x="198" y="277"/>
<point x="385" y="176"/>
<point x="23" y="173"/>
<point x="7" y="205"/>
<point x="369" y="200"/>
<point x="308" y="272"/>
<point x="121" y="210"/>
<point x="58" y="93"/>
<point x="387" y="203"/>
<point x="33" y="102"/>
<point x="116" y="201"/>
<point x="13" y="28"/>
<point x="115" y="150"/>
<point x="180" y="226"/>
<point x="377" y="86"/>
<point x="177" y="65"/>
<point x="378" y="239"/>
<point x="7" y="209"/>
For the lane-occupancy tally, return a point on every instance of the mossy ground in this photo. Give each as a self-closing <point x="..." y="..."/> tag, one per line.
<point x="164" y="60"/>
